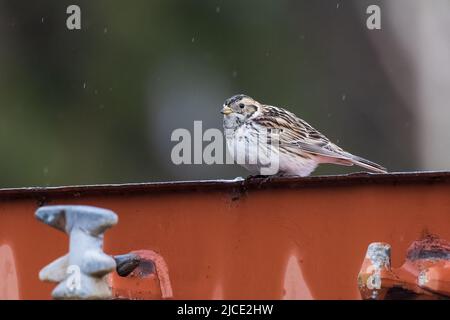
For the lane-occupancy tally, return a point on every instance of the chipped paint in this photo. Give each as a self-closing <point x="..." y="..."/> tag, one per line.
<point x="379" y="254"/>
<point x="422" y="279"/>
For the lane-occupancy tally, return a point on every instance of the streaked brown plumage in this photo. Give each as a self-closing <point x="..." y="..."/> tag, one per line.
<point x="301" y="147"/>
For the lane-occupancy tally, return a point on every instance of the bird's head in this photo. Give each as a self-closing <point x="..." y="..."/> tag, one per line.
<point x="237" y="109"/>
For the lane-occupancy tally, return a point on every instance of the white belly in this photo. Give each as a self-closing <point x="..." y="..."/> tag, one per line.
<point x="296" y="166"/>
<point x="260" y="158"/>
<point x="243" y="149"/>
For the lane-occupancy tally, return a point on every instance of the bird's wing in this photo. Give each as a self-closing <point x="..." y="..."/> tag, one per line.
<point x="298" y="136"/>
<point x="295" y="133"/>
<point x="325" y="150"/>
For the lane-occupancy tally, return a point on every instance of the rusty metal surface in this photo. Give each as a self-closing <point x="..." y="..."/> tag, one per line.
<point x="300" y="238"/>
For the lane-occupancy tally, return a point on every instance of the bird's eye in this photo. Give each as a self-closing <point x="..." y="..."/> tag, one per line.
<point x="241" y="106"/>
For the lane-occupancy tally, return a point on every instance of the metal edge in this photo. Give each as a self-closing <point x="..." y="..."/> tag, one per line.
<point x="211" y="185"/>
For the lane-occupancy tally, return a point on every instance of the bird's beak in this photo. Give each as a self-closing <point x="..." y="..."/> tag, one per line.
<point x="226" y="110"/>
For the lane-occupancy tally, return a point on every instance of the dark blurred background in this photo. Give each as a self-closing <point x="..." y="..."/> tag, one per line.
<point x="98" y="105"/>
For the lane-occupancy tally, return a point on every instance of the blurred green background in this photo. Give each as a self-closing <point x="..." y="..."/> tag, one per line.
<point x="98" y="105"/>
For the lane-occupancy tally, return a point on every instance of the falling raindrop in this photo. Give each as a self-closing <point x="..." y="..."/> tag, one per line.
<point x="193" y="40"/>
<point x="105" y="30"/>
<point x="217" y="9"/>
<point x="84" y="85"/>
<point x="234" y="74"/>
<point x="344" y="96"/>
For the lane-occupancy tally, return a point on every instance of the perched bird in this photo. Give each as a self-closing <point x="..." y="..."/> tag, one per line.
<point x="299" y="148"/>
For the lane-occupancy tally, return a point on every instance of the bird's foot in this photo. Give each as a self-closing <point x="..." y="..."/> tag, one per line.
<point x="254" y="177"/>
<point x="262" y="179"/>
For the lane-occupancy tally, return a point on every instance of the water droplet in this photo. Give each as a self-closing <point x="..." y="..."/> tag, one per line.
<point x="45" y="171"/>
<point x="337" y="5"/>
<point x="344" y="96"/>
<point x="42" y="20"/>
<point x="193" y="40"/>
<point x="84" y="85"/>
<point x="217" y="9"/>
<point x="234" y="74"/>
<point x="105" y="30"/>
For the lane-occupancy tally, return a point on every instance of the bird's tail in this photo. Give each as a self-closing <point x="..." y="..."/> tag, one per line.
<point x="364" y="163"/>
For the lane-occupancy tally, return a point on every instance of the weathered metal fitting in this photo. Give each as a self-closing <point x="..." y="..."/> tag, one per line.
<point x="376" y="266"/>
<point x="82" y="273"/>
<point x="126" y="263"/>
<point x="143" y="274"/>
<point x="425" y="273"/>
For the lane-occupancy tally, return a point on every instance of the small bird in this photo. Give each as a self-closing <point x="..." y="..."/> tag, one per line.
<point x="299" y="148"/>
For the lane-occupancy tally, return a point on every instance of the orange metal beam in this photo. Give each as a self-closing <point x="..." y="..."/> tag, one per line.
<point x="294" y="238"/>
